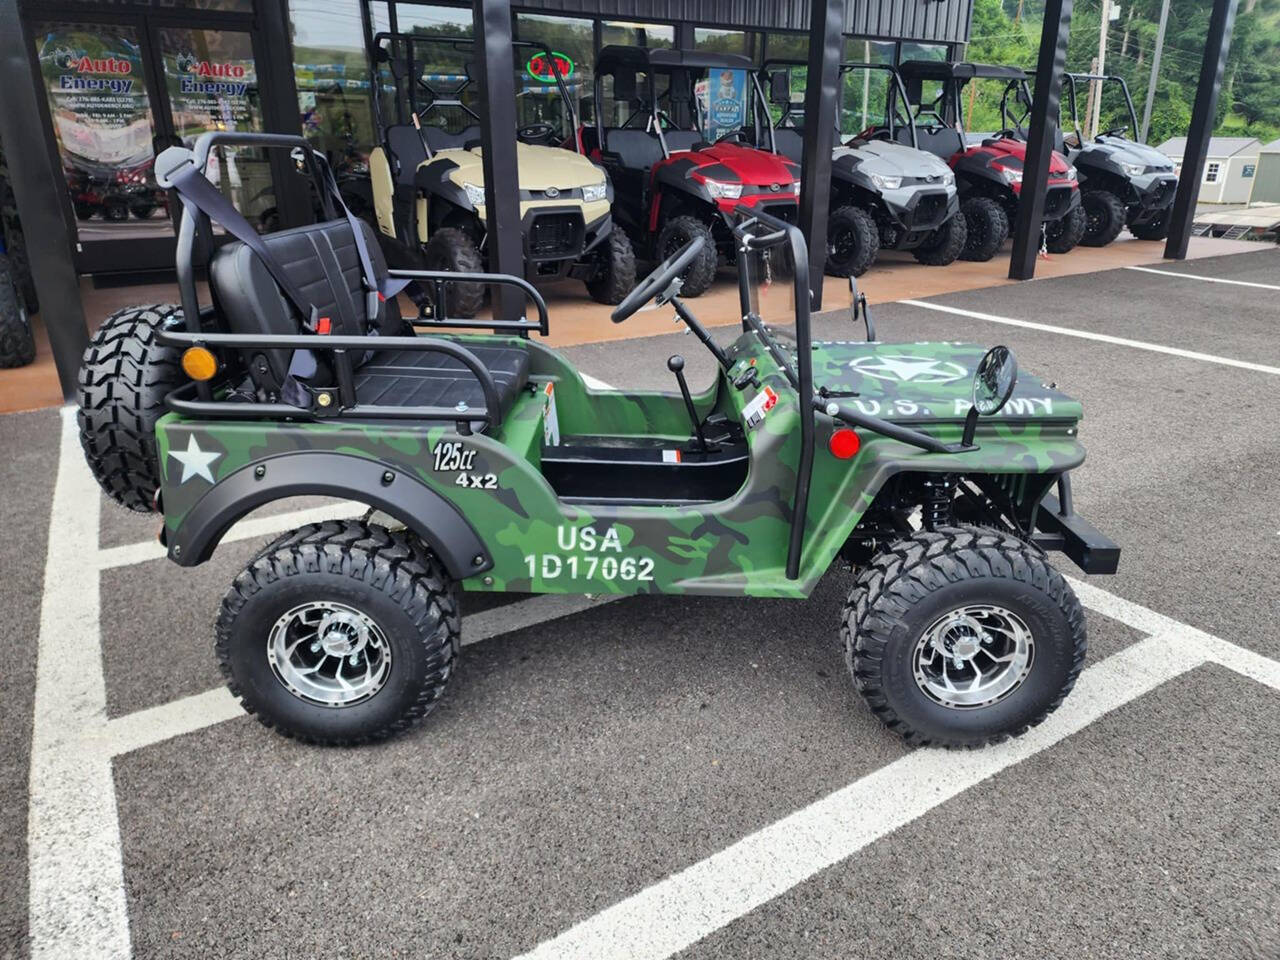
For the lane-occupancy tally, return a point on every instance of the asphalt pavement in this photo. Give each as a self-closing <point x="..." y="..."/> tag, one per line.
<point x="576" y="764"/>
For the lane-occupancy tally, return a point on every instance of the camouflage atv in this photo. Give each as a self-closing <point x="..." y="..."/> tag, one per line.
<point x="489" y="465"/>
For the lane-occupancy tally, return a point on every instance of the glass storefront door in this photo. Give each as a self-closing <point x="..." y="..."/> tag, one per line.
<point x="120" y="92"/>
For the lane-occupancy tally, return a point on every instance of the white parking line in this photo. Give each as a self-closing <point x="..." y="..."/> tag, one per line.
<point x="77" y="904"/>
<point x="1100" y="337"/>
<point x="1192" y="276"/>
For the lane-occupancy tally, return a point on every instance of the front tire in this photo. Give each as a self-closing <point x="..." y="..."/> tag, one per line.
<point x="945" y="244"/>
<point x="1064" y="234"/>
<point x="616" y="272"/>
<point x="1104" y="217"/>
<point x="986" y="226"/>
<point x="124" y="378"/>
<point x="340" y="633"/>
<point x="1157" y="228"/>
<point x="853" y="242"/>
<point x="677" y="232"/>
<point x="962" y="637"/>
<point x="451" y="249"/>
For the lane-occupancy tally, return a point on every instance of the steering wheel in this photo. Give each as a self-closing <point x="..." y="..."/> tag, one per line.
<point x="536" y="131"/>
<point x="1115" y="131"/>
<point x="736" y="136"/>
<point x="658" y="281"/>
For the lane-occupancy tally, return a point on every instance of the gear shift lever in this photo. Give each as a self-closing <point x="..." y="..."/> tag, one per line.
<point x="675" y="364"/>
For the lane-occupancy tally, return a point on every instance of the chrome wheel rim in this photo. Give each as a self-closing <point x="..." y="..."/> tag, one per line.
<point x="329" y="654"/>
<point x="973" y="656"/>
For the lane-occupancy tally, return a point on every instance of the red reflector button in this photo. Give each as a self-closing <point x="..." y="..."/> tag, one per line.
<point x="844" y="443"/>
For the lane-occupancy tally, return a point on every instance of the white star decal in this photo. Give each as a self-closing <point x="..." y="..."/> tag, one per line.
<point x="195" y="462"/>
<point x="907" y="369"/>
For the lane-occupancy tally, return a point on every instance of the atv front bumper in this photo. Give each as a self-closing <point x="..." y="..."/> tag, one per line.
<point x="916" y="213"/>
<point x="1150" y="196"/>
<point x="1061" y="528"/>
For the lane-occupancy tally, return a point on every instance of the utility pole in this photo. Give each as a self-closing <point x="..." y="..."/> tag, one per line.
<point x="1095" y="88"/>
<point x="1155" y="71"/>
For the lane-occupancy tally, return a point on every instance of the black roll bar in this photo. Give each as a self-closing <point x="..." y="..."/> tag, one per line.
<point x="1073" y="78"/>
<point x="849" y="66"/>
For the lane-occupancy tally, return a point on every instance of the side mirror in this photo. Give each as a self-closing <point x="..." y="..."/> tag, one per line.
<point x="993" y="384"/>
<point x="780" y="88"/>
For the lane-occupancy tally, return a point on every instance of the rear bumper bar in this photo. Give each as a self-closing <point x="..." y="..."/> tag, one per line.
<point x="1091" y="550"/>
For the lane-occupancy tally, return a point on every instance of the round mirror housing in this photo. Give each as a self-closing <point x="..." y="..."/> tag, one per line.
<point x="994" y="380"/>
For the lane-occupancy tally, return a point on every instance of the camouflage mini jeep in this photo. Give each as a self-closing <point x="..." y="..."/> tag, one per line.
<point x="489" y="465"/>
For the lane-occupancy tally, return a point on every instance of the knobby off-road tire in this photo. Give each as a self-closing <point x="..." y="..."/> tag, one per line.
<point x="388" y="578"/>
<point x="908" y="588"/>
<point x="451" y="249"/>
<point x="702" y="271"/>
<point x="16" y="249"/>
<point x="986" y="228"/>
<point x="1157" y="228"/>
<point x="1104" y="217"/>
<point x="853" y="242"/>
<point x="124" y="378"/>
<point x="1064" y="234"/>
<point x="17" y="346"/>
<point x="945" y="244"/>
<point x="616" y="275"/>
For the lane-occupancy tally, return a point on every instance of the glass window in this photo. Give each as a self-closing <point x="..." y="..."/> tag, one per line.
<point x="441" y="21"/>
<point x="722" y="41"/>
<point x="571" y="41"/>
<point x="630" y="34"/>
<point x="1211" y="172"/>
<point x="786" y="46"/>
<point x="924" y="51"/>
<point x="862" y="50"/>
<point x="97" y="90"/>
<point x="1247" y="171"/>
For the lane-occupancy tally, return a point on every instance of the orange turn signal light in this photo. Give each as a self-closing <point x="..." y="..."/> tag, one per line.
<point x="844" y="443"/>
<point x="199" y="364"/>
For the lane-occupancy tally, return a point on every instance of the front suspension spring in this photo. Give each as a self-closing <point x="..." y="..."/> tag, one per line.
<point x="939" y="498"/>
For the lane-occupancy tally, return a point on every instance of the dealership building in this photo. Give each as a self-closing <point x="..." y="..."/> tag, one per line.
<point x="95" y="90"/>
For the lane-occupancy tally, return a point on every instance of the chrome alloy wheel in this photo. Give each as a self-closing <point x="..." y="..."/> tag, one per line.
<point x="329" y="654"/>
<point x="973" y="656"/>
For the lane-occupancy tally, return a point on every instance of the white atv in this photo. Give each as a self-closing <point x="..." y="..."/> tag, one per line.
<point x="428" y="178"/>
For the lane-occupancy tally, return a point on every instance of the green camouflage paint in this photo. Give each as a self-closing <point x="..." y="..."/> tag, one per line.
<point x="736" y="546"/>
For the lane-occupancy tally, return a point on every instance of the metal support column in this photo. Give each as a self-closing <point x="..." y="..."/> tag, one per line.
<point x="821" y="103"/>
<point x="37" y="186"/>
<point x="504" y="243"/>
<point x="1216" y="46"/>
<point x="1044" y="123"/>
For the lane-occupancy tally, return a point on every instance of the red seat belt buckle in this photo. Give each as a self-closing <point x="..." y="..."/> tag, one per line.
<point x="323" y="326"/>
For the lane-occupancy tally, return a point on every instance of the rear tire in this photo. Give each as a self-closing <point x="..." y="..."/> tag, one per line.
<point x="1157" y="228"/>
<point x="115" y="209"/>
<point x="1064" y="234"/>
<point x="384" y="598"/>
<point x="966" y="588"/>
<point x="17" y="346"/>
<point x="1104" y="217"/>
<point x="124" y="378"/>
<point x="616" y="271"/>
<point x="853" y="242"/>
<point x="675" y="234"/>
<point x="986" y="227"/>
<point x="945" y="244"/>
<point x="451" y="249"/>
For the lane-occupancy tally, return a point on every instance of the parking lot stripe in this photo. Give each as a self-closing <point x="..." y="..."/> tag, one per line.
<point x="1100" y="337"/>
<point x="77" y="905"/>
<point x="1192" y="276"/>
<point x="684" y="908"/>
<point x="251" y="528"/>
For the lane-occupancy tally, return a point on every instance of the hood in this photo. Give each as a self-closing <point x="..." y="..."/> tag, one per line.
<point x="926" y="381"/>
<point x="1122" y="150"/>
<point x="540" y="167"/>
<point x="743" y="164"/>
<point x="1017" y="149"/>
<point x="891" y="159"/>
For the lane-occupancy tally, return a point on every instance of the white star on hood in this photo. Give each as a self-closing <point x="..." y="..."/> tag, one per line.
<point x="907" y="369"/>
<point x="195" y="462"/>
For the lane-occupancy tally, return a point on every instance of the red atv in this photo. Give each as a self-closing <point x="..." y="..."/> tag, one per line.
<point x="989" y="173"/>
<point x="677" y="131"/>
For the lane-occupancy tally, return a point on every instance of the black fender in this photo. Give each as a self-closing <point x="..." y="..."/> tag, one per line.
<point x="390" y="489"/>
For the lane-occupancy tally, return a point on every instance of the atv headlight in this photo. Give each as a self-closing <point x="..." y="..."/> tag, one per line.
<point x="1071" y="173"/>
<point x="475" y="195"/>
<point x="723" y="191"/>
<point x="795" y="188"/>
<point x="948" y="179"/>
<point x="1134" y="169"/>
<point x="1010" y="176"/>
<point x="886" y="183"/>
<point x="595" y="192"/>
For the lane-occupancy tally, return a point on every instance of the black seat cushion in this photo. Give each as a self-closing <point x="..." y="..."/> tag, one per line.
<point x="441" y="139"/>
<point x="407" y="151"/>
<point x="681" y="139"/>
<point x="635" y="149"/>
<point x="790" y="143"/>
